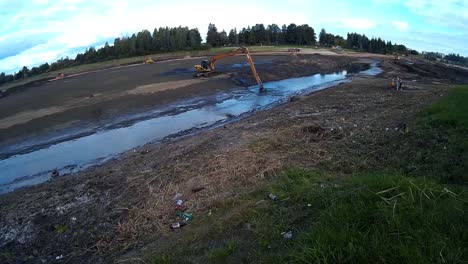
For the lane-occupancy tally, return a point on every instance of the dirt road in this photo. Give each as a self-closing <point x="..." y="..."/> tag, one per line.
<point x="112" y="211"/>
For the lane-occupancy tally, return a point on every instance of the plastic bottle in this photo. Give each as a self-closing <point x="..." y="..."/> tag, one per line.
<point x="272" y="197"/>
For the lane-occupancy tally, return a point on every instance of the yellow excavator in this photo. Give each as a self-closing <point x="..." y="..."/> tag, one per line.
<point x="149" y="60"/>
<point x="207" y="67"/>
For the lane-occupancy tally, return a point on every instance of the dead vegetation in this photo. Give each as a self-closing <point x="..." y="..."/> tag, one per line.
<point x="219" y="176"/>
<point x="314" y="133"/>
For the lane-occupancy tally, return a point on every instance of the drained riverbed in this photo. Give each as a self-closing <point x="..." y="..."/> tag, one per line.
<point x="34" y="160"/>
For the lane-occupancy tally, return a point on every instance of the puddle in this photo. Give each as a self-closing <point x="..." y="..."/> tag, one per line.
<point x="372" y="71"/>
<point x="186" y="117"/>
<point x="219" y="67"/>
<point x="246" y="64"/>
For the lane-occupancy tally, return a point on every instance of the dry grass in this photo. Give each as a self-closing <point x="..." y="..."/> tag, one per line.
<point x="222" y="176"/>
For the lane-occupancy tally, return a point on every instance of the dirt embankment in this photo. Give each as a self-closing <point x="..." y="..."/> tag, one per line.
<point x="98" y="215"/>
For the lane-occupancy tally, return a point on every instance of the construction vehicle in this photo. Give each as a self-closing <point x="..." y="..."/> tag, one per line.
<point x="207" y="67"/>
<point x="148" y="61"/>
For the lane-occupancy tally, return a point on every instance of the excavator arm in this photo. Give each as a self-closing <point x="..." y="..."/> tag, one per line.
<point x="208" y="67"/>
<point x="254" y="72"/>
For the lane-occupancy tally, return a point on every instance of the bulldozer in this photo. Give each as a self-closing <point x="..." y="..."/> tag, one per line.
<point x="207" y="67"/>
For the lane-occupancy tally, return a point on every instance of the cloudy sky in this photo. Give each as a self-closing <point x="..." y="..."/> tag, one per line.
<point x="37" y="31"/>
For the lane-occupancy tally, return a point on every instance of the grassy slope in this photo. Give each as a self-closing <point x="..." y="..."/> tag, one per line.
<point x="416" y="211"/>
<point x="438" y="147"/>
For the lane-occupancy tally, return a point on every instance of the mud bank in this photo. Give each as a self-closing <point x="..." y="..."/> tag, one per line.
<point x="98" y="98"/>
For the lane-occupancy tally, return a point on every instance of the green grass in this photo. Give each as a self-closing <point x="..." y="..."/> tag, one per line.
<point x="438" y="145"/>
<point x="221" y="254"/>
<point x="451" y="110"/>
<point x="164" y="259"/>
<point x="370" y="218"/>
<point x="366" y="218"/>
<point x="5" y="255"/>
<point x="60" y="229"/>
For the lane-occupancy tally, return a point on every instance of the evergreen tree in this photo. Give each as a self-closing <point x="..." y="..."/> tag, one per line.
<point x="274" y="34"/>
<point x="159" y="40"/>
<point x="44" y="67"/>
<point x="322" y="37"/>
<point x="282" y="34"/>
<point x="194" y="39"/>
<point x="251" y="40"/>
<point x="212" y="37"/>
<point x="233" y="37"/>
<point x="291" y="34"/>
<point x="143" y="42"/>
<point x="241" y="36"/>
<point x="260" y="35"/>
<point x="223" y="38"/>
<point x="2" y="78"/>
<point x="25" y="71"/>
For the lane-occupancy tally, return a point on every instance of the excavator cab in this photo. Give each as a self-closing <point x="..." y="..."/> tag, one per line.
<point x="203" y="69"/>
<point x="205" y="64"/>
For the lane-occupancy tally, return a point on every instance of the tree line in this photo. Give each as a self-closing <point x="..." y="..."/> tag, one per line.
<point x="293" y="34"/>
<point x="261" y="35"/>
<point x="450" y="58"/>
<point x="182" y="38"/>
<point x="456" y="58"/>
<point x="374" y="45"/>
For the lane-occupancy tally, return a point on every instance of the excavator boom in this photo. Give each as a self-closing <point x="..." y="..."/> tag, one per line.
<point x="254" y="72"/>
<point x="208" y="67"/>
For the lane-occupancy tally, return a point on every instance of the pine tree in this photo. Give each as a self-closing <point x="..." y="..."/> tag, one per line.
<point x="233" y="37"/>
<point x="212" y="37"/>
<point x="322" y="37"/>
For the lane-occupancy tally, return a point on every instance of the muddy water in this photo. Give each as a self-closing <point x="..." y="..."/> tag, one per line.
<point x="71" y="156"/>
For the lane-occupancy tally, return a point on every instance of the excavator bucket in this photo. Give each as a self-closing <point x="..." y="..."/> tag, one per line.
<point x="261" y="89"/>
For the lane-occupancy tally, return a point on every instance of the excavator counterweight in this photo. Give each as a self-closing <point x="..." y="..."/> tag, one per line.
<point x="207" y="67"/>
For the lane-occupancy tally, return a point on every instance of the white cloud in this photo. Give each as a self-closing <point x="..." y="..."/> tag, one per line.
<point x="400" y="25"/>
<point x="37" y="54"/>
<point x="451" y="13"/>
